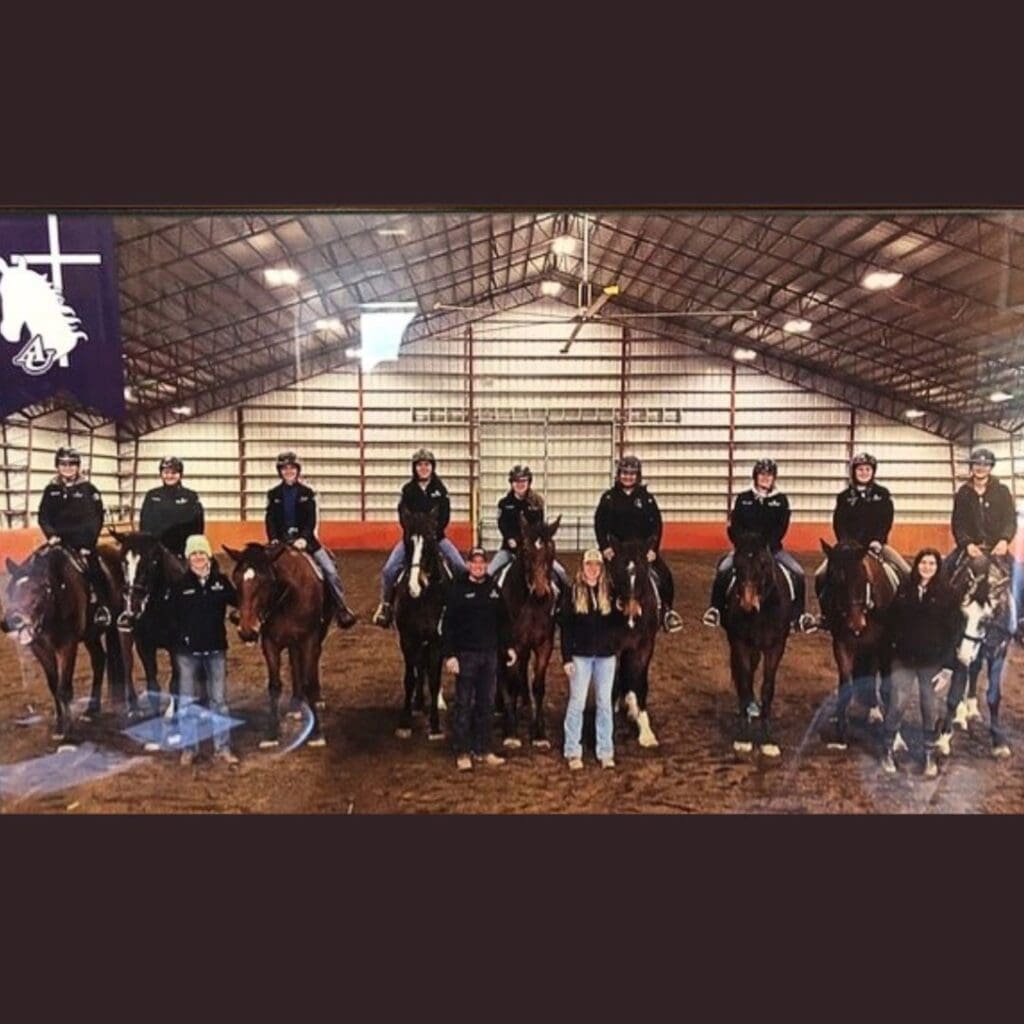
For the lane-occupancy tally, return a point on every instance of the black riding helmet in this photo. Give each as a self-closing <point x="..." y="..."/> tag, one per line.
<point x="288" y="459"/>
<point x="982" y="455"/>
<point x="518" y="472"/>
<point x="862" y="459"/>
<point x="67" y="455"/>
<point x="628" y="462"/>
<point x="172" y="462"/>
<point x="764" y="466"/>
<point x="422" y="455"/>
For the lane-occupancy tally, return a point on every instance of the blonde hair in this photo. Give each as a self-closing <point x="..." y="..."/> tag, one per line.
<point x="582" y="594"/>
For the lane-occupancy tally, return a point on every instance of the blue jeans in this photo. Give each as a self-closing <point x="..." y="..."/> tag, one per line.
<point x="503" y="557"/>
<point x="474" y="700"/>
<point x="602" y="671"/>
<point x="396" y="560"/>
<point x="189" y="711"/>
<point x="322" y="557"/>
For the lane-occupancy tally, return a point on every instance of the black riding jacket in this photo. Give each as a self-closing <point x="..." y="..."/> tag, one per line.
<point x="475" y="618"/>
<point x="531" y="505"/>
<point x="433" y="496"/>
<point x="766" y="515"/>
<point x="924" y="630"/>
<point x="172" y="515"/>
<point x="633" y="516"/>
<point x="197" y="612"/>
<point x="589" y="635"/>
<point x="74" y="513"/>
<point x="863" y="514"/>
<point x="305" y="515"/>
<point x="984" y="518"/>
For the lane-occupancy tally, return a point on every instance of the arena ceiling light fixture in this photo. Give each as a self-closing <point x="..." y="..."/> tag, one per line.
<point x="393" y="232"/>
<point x="182" y="410"/>
<point x="744" y="355"/>
<point x="914" y="414"/>
<point x="798" y="325"/>
<point x="381" y="326"/>
<point x="275" y="276"/>
<point x="564" y="245"/>
<point x="878" y="280"/>
<point x="329" y="324"/>
<point x="1000" y="396"/>
<point x="550" y="288"/>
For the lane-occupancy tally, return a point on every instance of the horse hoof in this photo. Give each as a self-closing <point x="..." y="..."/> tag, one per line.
<point x="742" y="748"/>
<point x="295" y="716"/>
<point x="875" y="716"/>
<point x="648" y="741"/>
<point x="66" y="747"/>
<point x="403" y="734"/>
<point x="770" y="750"/>
<point x="511" y="743"/>
<point x="269" y="744"/>
<point x="542" y="744"/>
<point x="836" y="745"/>
<point x="316" y="741"/>
<point x="942" y="744"/>
<point x="1001" y="751"/>
<point x="434" y="736"/>
<point x="631" y="706"/>
<point x="151" y="747"/>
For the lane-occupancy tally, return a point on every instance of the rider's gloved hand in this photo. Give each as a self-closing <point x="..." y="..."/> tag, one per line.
<point x="300" y="543"/>
<point x="53" y="541"/>
<point x="1001" y="548"/>
<point x="512" y="542"/>
<point x="652" y="556"/>
<point x="973" y="550"/>
<point x="875" y="546"/>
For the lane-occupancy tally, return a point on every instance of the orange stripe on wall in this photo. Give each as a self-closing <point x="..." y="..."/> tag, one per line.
<point x="907" y="538"/>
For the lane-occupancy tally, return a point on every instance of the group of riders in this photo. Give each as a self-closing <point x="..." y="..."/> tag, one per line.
<point x="983" y="523"/>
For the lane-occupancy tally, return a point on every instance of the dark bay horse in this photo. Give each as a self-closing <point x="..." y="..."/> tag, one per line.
<point x="532" y="603"/>
<point x="149" y="571"/>
<point x="758" y="611"/>
<point x="984" y="589"/>
<point x="419" y="604"/>
<point x="637" y="600"/>
<point x="857" y="598"/>
<point x="282" y="604"/>
<point x="47" y="609"/>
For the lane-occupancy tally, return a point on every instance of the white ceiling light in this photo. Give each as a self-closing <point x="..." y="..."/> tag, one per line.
<point x="353" y="353"/>
<point x="182" y="410"/>
<point x="331" y="324"/>
<point x="564" y="245"/>
<point x="877" y="280"/>
<point x="275" y="276"/>
<point x="797" y="326"/>
<point x="1000" y="396"/>
<point x="550" y="288"/>
<point x="744" y="355"/>
<point x="393" y="232"/>
<point x="914" y="414"/>
<point x="129" y="395"/>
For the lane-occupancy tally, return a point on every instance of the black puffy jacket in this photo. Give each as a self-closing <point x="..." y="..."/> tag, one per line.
<point x="531" y="505"/>
<point x="475" y="618"/>
<point x="590" y="634"/>
<point x="172" y="515"/>
<point x="923" y="630"/>
<point x="766" y="515"/>
<point x="74" y="513"/>
<point x="984" y="518"/>
<point x="863" y="515"/>
<point x="197" y="612"/>
<point x="425" y="499"/>
<point x="632" y="516"/>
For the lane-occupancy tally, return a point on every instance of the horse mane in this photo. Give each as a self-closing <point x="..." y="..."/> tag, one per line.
<point x="39" y="288"/>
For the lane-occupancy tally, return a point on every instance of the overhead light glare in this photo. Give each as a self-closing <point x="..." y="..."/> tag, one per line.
<point x="550" y="288"/>
<point x="564" y="245"/>
<point x="797" y="326"/>
<point x="329" y="324"/>
<point x="1000" y="396"/>
<point x="914" y="414"/>
<point x="744" y="355"/>
<point x="276" y="276"/>
<point x="182" y="410"/>
<point x="877" y="280"/>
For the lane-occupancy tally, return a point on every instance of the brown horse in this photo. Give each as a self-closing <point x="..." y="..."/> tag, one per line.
<point x="281" y="603"/>
<point x="48" y="611"/>
<point x="857" y="596"/>
<point x="531" y="601"/>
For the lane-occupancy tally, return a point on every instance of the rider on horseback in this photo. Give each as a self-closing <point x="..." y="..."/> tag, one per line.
<point x="521" y="500"/>
<point x="765" y="511"/>
<point x="172" y="513"/>
<point x="983" y="515"/>
<point x="71" y="513"/>
<point x="424" y="493"/>
<point x="628" y="511"/>
<point x="291" y="518"/>
<point x="863" y="515"/>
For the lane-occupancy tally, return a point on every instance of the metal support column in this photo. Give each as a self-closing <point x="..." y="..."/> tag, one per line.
<point x="851" y="440"/>
<point x="624" y="367"/>
<point x="362" y="439"/>
<point x="474" y="453"/>
<point x="243" y="469"/>
<point x="732" y="437"/>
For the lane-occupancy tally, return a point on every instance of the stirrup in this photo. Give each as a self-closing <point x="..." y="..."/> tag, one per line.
<point x="671" y="622"/>
<point x="101" y="617"/>
<point x="807" y="623"/>
<point x="382" y="616"/>
<point x="712" y="617"/>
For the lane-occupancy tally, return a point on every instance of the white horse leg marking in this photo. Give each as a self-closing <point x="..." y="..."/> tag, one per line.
<point x="632" y="708"/>
<point x="131" y="569"/>
<point x="972" y="709"/>
<point x="647" y="737"/>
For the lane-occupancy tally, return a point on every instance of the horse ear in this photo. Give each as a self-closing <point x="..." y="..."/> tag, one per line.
<point x="12" y="567"/>
<point x="825" y="547"/>
<point x="553" y="527"/>
<point x="231" y="553"/>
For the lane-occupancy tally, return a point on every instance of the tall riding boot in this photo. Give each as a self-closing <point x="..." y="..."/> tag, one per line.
<point x="101" y="610"/>
<point x="342" y="613"/>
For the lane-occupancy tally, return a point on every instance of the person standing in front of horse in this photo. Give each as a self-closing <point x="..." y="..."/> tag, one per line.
<point x="984" y="518"/>
<point x="762" y="510"/>
<point x="588" y="621"/>
<point x="924" y="622"/>
<point x="521" y="501"/>
<point x="71" y="513"/>
<point x="172" y="513"/>
<point x="473" y="628"/>
<point x="628" y="511"/>
<point x="863" y="514"/>
<point x="198" y="604"/>
<point x="424" y="492"/>
<point x="291" y="519"/>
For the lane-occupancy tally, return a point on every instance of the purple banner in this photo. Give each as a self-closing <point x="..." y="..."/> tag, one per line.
<point x="59" y="318"/>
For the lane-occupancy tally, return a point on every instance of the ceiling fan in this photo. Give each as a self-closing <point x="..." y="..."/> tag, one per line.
<point x="589" y="306"/>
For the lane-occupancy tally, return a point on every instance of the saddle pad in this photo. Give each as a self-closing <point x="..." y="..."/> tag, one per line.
<point x="894" y="576"/>
<point x="313" y="562"/>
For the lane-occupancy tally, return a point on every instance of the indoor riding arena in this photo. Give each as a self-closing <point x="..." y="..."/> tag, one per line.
<point x="699" y="342"/>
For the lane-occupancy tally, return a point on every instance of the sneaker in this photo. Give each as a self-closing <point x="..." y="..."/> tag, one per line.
<point x="464" y="763"/>
<point x="102" y="615"/>
<point x="382" y="616"/>
<point x="187" y="757"/>
<point x="607" y="762"/>
<point x="672" y="621"/>
<point x="345" y="618"/>
<point x="888" y="763"/>
<point x="226" y="756"/>
<point x="575" y="764"/>
<point x="491" y="759"/>
<point x="712" y="617"/>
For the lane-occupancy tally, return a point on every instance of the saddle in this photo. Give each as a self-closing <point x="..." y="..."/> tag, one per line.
<point x="313" y="565"/>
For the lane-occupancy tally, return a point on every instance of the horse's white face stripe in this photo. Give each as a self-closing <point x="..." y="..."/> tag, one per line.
<point x="22" y="581"/>
<point x="131" y="567"/>
<point x="538" y="544"/>
<point x="249" y="574"/>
